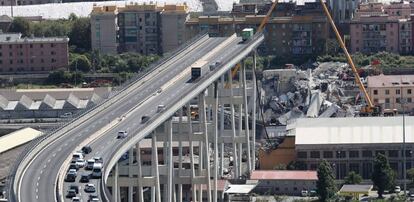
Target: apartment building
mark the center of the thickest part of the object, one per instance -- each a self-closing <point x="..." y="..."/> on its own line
<point x="143" y="28"/>
<point x="104" y="27"/>
<point x="20" y="55"/>
<point x="173" y="18"/>
<point x="26" y="2"/>
<point x="293" y="35"/>
<point x="388" y="90"/>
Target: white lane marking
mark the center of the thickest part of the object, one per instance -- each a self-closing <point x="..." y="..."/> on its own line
<point x="41" y="171"/>
<point x="37" y="184"/>
<point x="54" y="154"/>
<point x="48" y="160"/>
<point x="38" y="178"/>
<point x="60" y="149"/>
<point x="44" y="167"/>
<point x="37" y="196"/>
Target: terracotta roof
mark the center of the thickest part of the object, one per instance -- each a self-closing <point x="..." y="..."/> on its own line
<point x="283" y="175"/>
<point x="221" y="185"/>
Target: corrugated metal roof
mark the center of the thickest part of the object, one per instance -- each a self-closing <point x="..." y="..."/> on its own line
<point x="283" y="175"/>
<point x="352" y="130"/>
<point x="240" y="188"/>
<point x="18" y="138"/>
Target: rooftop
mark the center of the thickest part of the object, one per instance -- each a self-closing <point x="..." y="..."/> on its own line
<point x="352" y="130"/>
<point x="283" y="175"/>
<point x="355" y="188"/>
<point x="240" y="188"/>
<point x="16" y="38"/>
<point x="381" y="81"/>
<point x="18" y="138"/>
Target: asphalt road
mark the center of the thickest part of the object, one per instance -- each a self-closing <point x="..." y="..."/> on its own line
<point x="39" y="180"/>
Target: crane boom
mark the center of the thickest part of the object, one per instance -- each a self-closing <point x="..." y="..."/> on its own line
<point x="348" y="56"/>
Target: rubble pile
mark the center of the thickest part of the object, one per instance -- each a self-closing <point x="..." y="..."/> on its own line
<point x="328" y="90"/>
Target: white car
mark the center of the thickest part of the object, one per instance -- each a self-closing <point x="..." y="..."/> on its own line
<point x="122" y="134"/>
<point x="77" y="155"/>
<point x="89" y="164"/>
<point x="90" y="188"/>
<point x="397" y="189"/>
<point x="80" y="163"/>
<point x="76" y="199"/>
<point x="72" y="171"/>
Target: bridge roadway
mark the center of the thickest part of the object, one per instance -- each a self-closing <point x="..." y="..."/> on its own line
<point x="40" y="175"/>
<point x="39" y="180"/>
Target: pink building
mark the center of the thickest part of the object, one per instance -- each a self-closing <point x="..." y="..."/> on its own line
<point x="370" y="34"/>
<point x="22" y="55"/>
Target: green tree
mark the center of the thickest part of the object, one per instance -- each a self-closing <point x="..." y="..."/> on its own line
<point x="353" y="178"/>
<point x="410" y="175"/>
<point x="296" y="165"/>
<point x="325" y="186"/>
<point x="80" y="35"/>
<point x="280" y="166"/>
<point x="80" y="62"/>
<point x="382" y="176"/>
<point x="20" y="25"/>
<point x="72" y="17"/>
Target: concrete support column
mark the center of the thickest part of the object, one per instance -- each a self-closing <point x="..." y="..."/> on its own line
<point x="246" y="117"/>
<point x="170" y="163"/>
<point x="115" y="188"/>
<point x="253" y="157"/>
<point x="190" y="139"/>
<point x="140" y="194"/>
<point x="215" y="133"/>
<point x="180" y="156"/>
<point x="222" y="132"/>
<point x="156" y="172"/>
<point x="206" y="144"/>
<point x="240" y="129"/>
<point x="130" y="174"/>
<point x="233" y="128"/>
<point x="200" y="149"/>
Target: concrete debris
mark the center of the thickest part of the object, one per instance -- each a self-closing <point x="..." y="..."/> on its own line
<point x="325" y="91"/>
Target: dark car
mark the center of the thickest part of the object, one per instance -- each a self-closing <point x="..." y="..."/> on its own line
<point x="84" y="178"/>
<point x="73" y="166"/>
<point x="71" y="193"/>
<point x="74" y="187"/>
<point x="92" y="196"/>
<point x="86" y="149"/>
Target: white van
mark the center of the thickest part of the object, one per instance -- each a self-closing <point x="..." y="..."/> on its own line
<point x="97" y="170"/>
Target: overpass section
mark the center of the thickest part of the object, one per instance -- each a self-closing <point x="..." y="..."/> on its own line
<point x="39" y="176"/>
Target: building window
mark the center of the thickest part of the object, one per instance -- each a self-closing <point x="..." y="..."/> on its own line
<point x="379" y="152"/>
<point x="397" y="100"/>
<point x="397" y="91"/>
<point x="10" y="46"/>
<point x="10" y="54"/>
<point x="387" y="100"/>
<point x="52" y="45"/>
<point x="375" y="100"/>
<point x="315" y="154"/>
<point x="375" y="92"/>
<point x="340" y="154"/>
<point x="21" y="46"/>
<point x="393" y="153"/>
<point x="354" y="167"/>
<point x="41" y="45"/>
<point x="1" y="61"/>
<point x="387" y="92"/>
<point x="328" y="154"/>
<point x="31" y="45"/>
<point x="11" y="61"/>
<point x="353" y="154"/>
<point x="409" y="100"/>
<point x="302" y="154"/>
<point x="367" y="153"/>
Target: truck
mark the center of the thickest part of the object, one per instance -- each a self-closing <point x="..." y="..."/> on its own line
<point x="247" y="34"/>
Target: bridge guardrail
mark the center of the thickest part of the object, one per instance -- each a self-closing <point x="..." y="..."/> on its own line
<point x="10" y="181"/>
<point x="105" y="193"/>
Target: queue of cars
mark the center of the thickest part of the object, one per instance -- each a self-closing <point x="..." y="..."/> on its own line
<point x="78" y="162"/>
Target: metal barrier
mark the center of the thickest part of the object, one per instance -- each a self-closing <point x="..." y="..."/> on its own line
<point x="10" y="181"/>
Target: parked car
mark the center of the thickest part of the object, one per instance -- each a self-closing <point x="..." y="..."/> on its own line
<point x="84" y="178"/>
<point x="89" y="164"/>
<point x="74" y="187"/>
<point x="80" y="163"/>
<point x="76" y="199"/>
<point x="304" y="193"/>
<point x="87" y="149"/>
<point x="70" y="193"/>
<point x="144" y="119"/>
<point x="122" y="134"/>
<point x="90" y="188"/>
<point x="397" y="189"/>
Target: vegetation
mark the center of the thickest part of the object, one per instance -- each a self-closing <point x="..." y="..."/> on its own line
<point x="410" y="175"/>
<point x="77" y="29"/>
<point x="353" y="178"/>
<point x="383" y="176"/>
<point x="296" y="165"/>
<point x="325" y="186"/>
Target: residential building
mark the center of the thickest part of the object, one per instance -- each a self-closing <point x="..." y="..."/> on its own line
<point x="351" y="143"/>
<point x="26" y="2"/>
<point x="143" y="28"/>
<point x="173" y="18"/>
<point x="284" y="36"/>
<point x="139" y="29"/>
<point x="343" y="10"/>
<point x="284" y="182"/>
<point x="388" y="90"/>
<point x="104" y="29"/>
<point x="19" y="55"/>
<point x="374" y="33"/>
